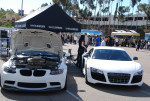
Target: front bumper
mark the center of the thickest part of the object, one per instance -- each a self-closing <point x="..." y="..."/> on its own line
<point x="18" y="82"/>
<point x="105" y="79"/>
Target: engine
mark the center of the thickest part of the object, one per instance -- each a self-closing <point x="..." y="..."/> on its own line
<point x="36" y="62"/>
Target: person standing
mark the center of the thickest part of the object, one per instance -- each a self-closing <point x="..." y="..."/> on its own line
<point x="103" y="43"/>
<point x="97" y="41"/>
<point x="90" y="41"/>
<point x="138" y="45"/>
<point x="86" y="40"/>
<point x="75" y="40"/>
<point x="62" y="39"/>
<point x="70" y="39"/>
<point x="109" y="41"/>
<point x="116" y="40"/>
<point x="81" y="50"/>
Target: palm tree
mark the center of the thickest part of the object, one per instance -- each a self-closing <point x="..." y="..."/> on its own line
<point x="118" y="15"/>
<point x="146" y="9"/>
<point x="137" y="13"/>
<point x="127" y="10"/>
<point x="115" y="14"/>
<point x="133" y="2"/>
<point x="100" y="5"/>
<point x="111" y="11"/>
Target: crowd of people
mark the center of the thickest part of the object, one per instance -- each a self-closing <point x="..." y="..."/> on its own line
<point x="89" y="40"/>
<point x="106" y="41"/>
<point x="142" y="44"/>
<point x="85" y="40"/>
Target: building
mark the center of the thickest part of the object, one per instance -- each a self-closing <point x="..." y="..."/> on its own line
<point x="130" y="20"/>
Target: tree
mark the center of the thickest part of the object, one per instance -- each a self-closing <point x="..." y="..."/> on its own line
<point x="137" y="13"/>
<point x="133" y="3"/>
<point x="127" y="10"/>
<point x="44" y="4"/>
<point x="100" y="2"/>
<point x="146" y="9"/>
<point x="115" y="13"/>
<point x="7" y="24"/>
<point x="32" y="10"/>
<point x="2" y="14"/>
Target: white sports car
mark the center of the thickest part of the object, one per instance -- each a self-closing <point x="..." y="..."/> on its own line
<point x="110" y="65"/>
<point x="37" y="62"/>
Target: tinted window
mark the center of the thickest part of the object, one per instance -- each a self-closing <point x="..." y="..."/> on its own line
<point x="106" y="54"/>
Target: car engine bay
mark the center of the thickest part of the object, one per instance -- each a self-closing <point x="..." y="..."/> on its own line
<point x="37" y="61"/>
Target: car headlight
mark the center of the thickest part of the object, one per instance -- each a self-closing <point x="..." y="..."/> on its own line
<point x="139" y="72"/>
<point x="56" y="71"/>
<point x="10" y="69"/>
<point x="96" y="70"/>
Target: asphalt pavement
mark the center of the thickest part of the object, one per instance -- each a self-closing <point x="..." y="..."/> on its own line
<point x="78" y="90"/>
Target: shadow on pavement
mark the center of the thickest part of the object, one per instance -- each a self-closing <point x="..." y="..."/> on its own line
<point x="131" y="91"/>
<point x="47" y="96"/>
<point x="28" y="96"/>
<point x="4" y="59"/>
<point x="74" y="71"/>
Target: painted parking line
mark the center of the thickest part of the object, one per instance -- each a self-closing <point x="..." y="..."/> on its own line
<point x="77" y="98"/>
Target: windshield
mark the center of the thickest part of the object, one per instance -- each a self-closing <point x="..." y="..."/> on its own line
<point x="107" y="54"/>
<point x="38" y="53"/>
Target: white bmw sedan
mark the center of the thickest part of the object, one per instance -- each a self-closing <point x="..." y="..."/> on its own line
<point x="37" y="62"/>
<point x="110" y="65"/>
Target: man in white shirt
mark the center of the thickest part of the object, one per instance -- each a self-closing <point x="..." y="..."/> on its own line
<point x="75" y="39"/>
<point x="116" y="40"/>
<point x="86" y="40"/>
<point x="103" y="43"/>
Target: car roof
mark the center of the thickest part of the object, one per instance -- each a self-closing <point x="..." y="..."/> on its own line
<point x="110" y="48"/>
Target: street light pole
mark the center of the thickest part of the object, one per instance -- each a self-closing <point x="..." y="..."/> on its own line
<point x="21" y="8"/>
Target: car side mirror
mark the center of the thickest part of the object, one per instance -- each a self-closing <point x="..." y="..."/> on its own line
<point x="86" y="55"/>
<point x="135" y="58"/>
<point x="67" y="54"/>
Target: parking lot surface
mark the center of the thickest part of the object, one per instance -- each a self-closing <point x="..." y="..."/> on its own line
<point x="78" y="90"/>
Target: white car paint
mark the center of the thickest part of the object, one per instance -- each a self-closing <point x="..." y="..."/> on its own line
<point x="111" y="66"/>
<point x="17" y="45"/>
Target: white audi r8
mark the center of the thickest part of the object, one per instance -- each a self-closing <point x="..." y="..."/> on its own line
<point x="36" y="64"/>
<point x="110" y="65"/>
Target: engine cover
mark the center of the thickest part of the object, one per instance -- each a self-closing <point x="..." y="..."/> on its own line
<point x="36" y="61"/>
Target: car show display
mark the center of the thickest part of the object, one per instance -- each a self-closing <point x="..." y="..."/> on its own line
<point x="37" y="62"/>
<point x="51" y="18"/>
<point x="111" y="65"/>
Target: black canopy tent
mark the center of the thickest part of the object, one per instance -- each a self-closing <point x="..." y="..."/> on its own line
<point x="51" y="18"/>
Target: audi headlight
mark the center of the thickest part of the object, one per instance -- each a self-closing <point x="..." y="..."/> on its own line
<point x="56" y="71"/>
<point x="10" y="69"/>
<point x="139" y="72"/>
<point x="96" y="70"/>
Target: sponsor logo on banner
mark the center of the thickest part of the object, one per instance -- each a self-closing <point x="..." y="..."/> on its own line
<point x="37" y="26"/>
<point x="73" y="29"/>
<point x="54" y="27"/>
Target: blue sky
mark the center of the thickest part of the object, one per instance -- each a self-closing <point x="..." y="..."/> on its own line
<point x="34" y="4"/>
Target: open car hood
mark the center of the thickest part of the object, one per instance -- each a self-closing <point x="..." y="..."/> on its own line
<point x="36" y="40"/>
